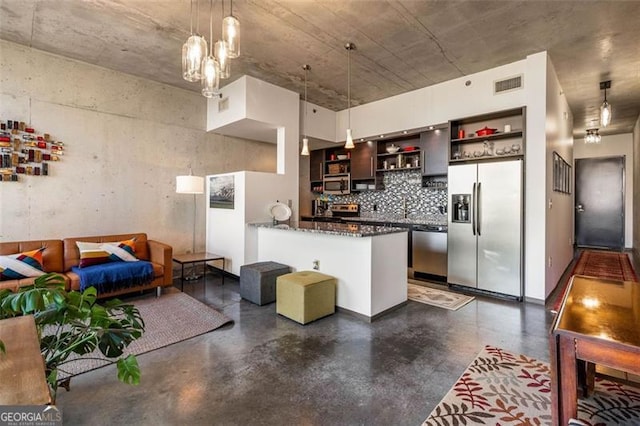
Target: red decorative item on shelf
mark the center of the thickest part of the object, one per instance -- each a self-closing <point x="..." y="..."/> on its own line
<point x="486" y="131"/>
<point x="29" y="130"/>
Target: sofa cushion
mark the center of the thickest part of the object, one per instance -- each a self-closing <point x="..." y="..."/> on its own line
<point x="21" y="265"/>
<point x="72" y="253"/>
<point x="97" y="253"/>
<point x="52" y="259"/>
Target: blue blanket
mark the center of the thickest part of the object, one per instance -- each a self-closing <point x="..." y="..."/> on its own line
<point x="112" y="276"/>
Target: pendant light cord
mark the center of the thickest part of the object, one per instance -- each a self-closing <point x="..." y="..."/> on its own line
<point x="304" y="129"/>
<point x="349" y="85"/>
<point x="211" y="27"/>
<point x="191" y="19"/>
<point x="198" y="17"/>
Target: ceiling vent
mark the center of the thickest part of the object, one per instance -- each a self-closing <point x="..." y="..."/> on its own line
<point x="508" y="84"/>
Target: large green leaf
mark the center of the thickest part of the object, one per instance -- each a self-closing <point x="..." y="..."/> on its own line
<point x="128" y="370"/>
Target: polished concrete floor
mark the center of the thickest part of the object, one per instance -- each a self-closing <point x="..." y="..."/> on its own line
<point x="267" y="370"/>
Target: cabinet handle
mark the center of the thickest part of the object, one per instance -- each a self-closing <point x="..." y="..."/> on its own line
<point x="371" y="165"/>
<point x="321" y="171"/>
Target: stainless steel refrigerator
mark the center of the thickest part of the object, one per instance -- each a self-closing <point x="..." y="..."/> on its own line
<point x="485" y="238"/>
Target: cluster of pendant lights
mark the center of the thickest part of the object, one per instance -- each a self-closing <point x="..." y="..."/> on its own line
<point x="349" y="141"/>
<point x="209" y="64"/>
<point x="593" y="135"/>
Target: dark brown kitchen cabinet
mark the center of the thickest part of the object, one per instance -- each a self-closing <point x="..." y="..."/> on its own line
<point x="316" y="165"/>
<point x="363" y="161"/>
<point x="434" y="145"/>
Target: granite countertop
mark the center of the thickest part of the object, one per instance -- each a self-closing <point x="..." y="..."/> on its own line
<point x="343" y="229"/>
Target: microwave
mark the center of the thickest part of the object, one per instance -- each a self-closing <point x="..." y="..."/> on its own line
<point x="337" y="184"/>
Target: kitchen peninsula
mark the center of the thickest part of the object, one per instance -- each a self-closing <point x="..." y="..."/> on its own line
<point x="369" y="262"/>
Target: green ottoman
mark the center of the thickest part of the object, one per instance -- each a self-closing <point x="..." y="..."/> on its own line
<point x="305" y="296"/>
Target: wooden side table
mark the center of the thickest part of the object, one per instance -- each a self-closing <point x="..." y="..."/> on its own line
<point x="22" y="366"/>
<point x="192" y="258"/>
<point x="598" y="323"/>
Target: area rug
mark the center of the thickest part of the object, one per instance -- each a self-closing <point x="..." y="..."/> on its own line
<point x="170" y="318"/>
<point x="600" y="264"/>
<point x="435" y="297"/>
<point x="501" y="388"/>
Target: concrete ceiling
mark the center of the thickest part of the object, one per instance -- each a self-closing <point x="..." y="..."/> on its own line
<point x="401" y="45"/>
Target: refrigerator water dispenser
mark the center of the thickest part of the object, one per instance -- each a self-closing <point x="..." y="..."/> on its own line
<point x="460" y="212"/>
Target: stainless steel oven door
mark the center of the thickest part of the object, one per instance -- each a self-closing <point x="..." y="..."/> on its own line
<point x="337" y="185"/>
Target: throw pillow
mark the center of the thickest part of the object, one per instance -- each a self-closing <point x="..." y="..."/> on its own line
<point x="21" y="265"/>
<point x="97" y="253"/>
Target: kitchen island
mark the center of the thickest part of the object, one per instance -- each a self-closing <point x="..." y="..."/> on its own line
<point x="369" y="262"/>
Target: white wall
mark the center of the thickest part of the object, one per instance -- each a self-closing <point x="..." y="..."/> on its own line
<point x="272" y="107"/>
<point x="610" y="146"/>
<point x="559" y="211"/>
<point x="127" y="139"/>
<point x="434" y="104"/>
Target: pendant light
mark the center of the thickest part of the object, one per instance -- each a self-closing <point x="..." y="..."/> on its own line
<point x="593" y="136"/>
<point x="210" y="69"/>
<point x="231" y="34"/>
<point x="305" y="140"/>
<point x="605" y="108"/>
<point x="349" y="143"/>
<point x="222" y="54"/>
<point x="193" y="51"/>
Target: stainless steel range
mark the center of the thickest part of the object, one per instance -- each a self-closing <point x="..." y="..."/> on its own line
<point x="345" y="210"/>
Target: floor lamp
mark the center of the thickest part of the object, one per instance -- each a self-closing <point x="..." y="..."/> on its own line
<point x="191" y="185"/>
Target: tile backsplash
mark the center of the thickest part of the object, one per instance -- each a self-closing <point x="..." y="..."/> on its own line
<point x="399" y="186"/>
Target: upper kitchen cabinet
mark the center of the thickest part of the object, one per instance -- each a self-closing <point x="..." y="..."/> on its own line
<point x="434" y="144"/>
<point x="399" y="154"/>
<point x="363" y="161"/>
<point x="488" y="136"/>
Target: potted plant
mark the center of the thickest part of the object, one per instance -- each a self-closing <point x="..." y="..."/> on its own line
<point x="75" y="323"/>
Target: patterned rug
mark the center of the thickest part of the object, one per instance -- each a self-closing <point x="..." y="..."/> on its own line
<point x="601" y="264"/>
<point x="170" y="318"/>
<point x="436" y="297"/>
<point x="501" y="388"/>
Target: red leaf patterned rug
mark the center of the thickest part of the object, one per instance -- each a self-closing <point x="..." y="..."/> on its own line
<point x="501" y="388"/>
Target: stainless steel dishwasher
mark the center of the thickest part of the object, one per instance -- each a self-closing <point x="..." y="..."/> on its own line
<point x="429" y="252"/>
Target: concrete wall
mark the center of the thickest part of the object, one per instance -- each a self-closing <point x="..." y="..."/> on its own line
<point x="126" y="138"/>
<point x="616" y="145"/>
<point x="559" y="211"/>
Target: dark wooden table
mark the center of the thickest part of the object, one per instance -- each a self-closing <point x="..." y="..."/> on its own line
<point x="191" y="258"/>
<point x="22" y="376"/>
<point x="598" y="323"/>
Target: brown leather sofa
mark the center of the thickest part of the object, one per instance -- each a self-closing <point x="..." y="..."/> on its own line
<point x="60" y="255"/>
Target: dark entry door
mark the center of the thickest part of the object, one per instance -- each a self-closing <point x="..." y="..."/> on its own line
<point x="599" y="209"/>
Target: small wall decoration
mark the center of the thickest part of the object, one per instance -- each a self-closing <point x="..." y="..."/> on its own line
<point x="24" y="152"/>
<point x="562" y="174"/>
<point x="221" y="192"/>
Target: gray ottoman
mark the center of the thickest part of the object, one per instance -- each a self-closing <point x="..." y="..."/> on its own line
<point x="258" y="281"/>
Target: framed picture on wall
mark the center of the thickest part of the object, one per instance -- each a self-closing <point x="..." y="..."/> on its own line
<point x="221" y="192"/>
<point x="562" y="174"/>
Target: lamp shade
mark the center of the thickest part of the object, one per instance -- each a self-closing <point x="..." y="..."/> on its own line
<point x="189" y="184"/>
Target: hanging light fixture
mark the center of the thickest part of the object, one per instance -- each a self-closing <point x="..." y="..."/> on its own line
<point x="193" y="51"/>
<point x="349" y="143"/>
<point x="593" y="136"/>
<point x="605" y="108"/>
<point x="305" y="140"/>
<point x="222" y="54"/>
<point x="231" y="34"/>
<point x="210" y="69"/>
